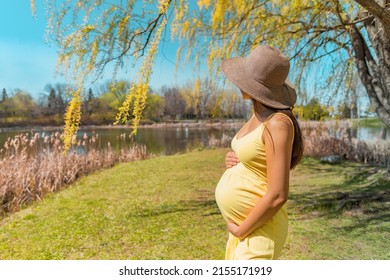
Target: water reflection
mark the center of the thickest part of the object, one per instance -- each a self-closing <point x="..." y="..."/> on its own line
<point x="172" y="140"/>
<point x="160" y="141"/>
<point x="367" y="134"/>
<point x="175" y="140"/>
<point x="370" y="133"/>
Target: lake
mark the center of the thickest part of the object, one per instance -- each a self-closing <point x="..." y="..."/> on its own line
<point x="158" y="140"/>
<point x="168" y="140"/>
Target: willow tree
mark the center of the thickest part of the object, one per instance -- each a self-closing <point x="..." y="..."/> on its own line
<point x="332" y="38"/>
<point x="92" y="34"/>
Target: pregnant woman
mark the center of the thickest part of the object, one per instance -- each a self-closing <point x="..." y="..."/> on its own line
<point x="252" y="192"/>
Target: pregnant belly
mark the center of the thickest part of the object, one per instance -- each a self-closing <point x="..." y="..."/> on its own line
<point x="237" y="194"/>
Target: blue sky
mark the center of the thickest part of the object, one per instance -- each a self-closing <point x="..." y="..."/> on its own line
<point x="28" y="63"/>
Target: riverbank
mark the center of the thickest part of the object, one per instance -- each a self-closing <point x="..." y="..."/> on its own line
<point x="352" y="126"/>
<point x="158" y="208"/>
<point x="223" y="123"/>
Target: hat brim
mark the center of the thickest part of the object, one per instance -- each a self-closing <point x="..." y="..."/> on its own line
<point x="279" y="97"/>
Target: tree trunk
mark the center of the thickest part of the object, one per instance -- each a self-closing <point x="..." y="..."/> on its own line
<point x="374" y="72"/>
<point x="377" y="8"/>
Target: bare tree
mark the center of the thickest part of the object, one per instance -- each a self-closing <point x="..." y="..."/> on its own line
<point x="174" y="103"/>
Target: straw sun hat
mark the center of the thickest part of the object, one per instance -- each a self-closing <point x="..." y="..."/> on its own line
<point x="263" y="76"/>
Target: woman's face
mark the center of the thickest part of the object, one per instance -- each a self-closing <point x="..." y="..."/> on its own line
<point x="245" y="95"/>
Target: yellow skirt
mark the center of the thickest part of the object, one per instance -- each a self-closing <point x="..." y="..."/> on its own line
<point x="265" y="243"/>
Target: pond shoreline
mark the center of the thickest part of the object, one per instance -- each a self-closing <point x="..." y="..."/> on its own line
<point x="206" y="124"/>
<point x="352" y="128"/>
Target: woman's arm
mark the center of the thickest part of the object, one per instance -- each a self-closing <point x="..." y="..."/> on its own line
<point x="278" y="136"/>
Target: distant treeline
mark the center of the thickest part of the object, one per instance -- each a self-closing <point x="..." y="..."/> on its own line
<point x="19" y="108"/>
<point x="188" y="102"/>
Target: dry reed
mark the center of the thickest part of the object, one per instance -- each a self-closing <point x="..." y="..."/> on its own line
<point x="332" y="138"/>
<point x="32" y="166"/>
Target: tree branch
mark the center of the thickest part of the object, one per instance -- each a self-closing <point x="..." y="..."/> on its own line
<point x="382" y="13"/>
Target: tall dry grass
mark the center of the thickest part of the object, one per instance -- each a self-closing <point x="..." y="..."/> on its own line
<point x="33" y="165"/>
<point x="334" y="138"/>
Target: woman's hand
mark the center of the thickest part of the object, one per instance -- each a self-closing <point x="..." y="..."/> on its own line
<point x="231" y="159"/>
<point x="234" y="229"/>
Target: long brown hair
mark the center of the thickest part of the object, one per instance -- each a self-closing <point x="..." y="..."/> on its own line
<point x="297" y="149"/>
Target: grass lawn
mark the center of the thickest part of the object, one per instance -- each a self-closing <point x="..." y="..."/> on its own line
<point x="369" y="122"/>
<point x="164" y="208"/>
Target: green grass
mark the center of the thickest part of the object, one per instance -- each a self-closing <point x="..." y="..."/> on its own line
<point x="369" y="122"/>
<point x="164" y="208"/>
<point x="338" y="212"/>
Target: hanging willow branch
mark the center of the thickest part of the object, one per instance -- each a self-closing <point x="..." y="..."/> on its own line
<point x="98" y="33"/>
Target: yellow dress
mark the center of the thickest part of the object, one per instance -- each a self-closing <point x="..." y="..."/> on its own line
<point x="237" y="192"/>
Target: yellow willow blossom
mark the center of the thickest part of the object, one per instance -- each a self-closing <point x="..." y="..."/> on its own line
<point x="88" y="28"/>
<point x="163" y="6"/>
<point x="147" y="66"/>
<point x="95" y="51"/>
<point x="214" y="53"/>
<point x="72" y="119"/>
<point x="299" y="4"/>
<point x="138" y="92"/>
<point x="63" y="62"/>
<point x="122" y="25"/>
<point x="79" y="4"/>
<point x="219" y="13"/>
<point x="205" y="3"/>
<point x="185" y="27"/>
<point x="240" y="7"/>
<point x="124" y="110"/>
<point x="139" y="105"/>
<point x="197" y="87"/>
<point x="181" y="9"/>
<point x="33" y="8"/>
<point x="178" y="56"/>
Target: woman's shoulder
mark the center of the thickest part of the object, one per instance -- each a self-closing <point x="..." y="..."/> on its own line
<point x="279" y="120"/>
<point x="280" y="126"/>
